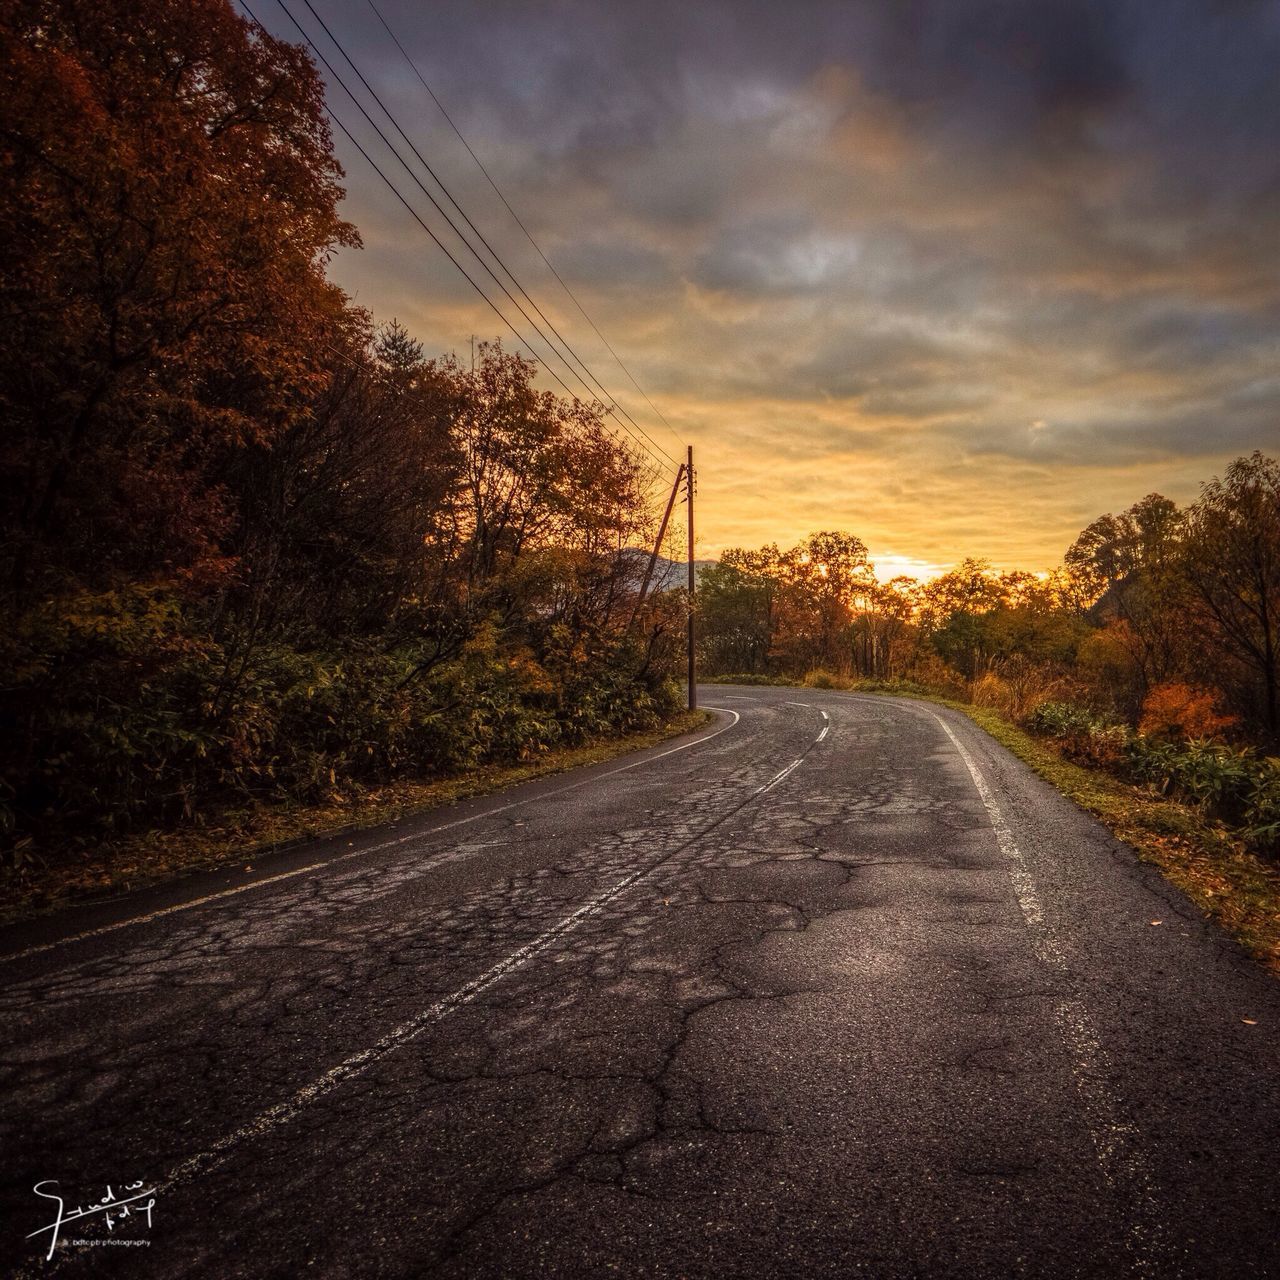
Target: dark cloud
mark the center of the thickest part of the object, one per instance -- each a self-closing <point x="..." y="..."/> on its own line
<point x="1038" y="238"/>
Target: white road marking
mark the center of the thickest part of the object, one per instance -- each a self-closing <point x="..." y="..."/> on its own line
<point x="808" y="706"/>
<point x="356" y="853"/>
<point x="358" y="1063"/>
<point x="1117" y="1142"/>
<point x="777" y="778"/>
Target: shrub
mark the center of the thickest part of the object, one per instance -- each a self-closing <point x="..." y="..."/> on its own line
<point x="1178" y="712"/>
<point x="990" y="690"/>
<point x="1083" y="736"/>
<point x="930" y="672"/>
<point x="747" y="678"/>
<point x="820" y="679"/>
<point x="1059" y="719"/>
<point x="1262" y="807"/>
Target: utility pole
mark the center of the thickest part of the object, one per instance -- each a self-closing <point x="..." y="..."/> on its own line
<point x="473" y="353"/>
<point x="689" y="482"/>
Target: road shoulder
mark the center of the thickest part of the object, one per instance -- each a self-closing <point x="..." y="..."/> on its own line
<point x="261" y="841"/>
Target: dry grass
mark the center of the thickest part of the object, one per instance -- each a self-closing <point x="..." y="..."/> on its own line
<point x="238" y="837"/>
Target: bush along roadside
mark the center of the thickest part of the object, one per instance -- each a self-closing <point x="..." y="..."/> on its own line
<point x="239" y="836"/>
<point x="1211" y="862"/>
<point x="1236" y="786"/>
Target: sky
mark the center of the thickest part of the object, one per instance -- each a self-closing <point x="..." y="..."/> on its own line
<point x="955" y="277"/>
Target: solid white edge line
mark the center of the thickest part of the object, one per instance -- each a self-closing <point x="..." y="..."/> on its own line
<point x="1117" y="1142"/>
<point x="358" y="853"/>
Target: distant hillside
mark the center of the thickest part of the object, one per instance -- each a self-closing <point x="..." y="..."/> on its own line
<point x="666" y="573"/>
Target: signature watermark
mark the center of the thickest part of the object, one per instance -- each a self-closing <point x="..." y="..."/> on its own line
<point x="130" y="1210"/>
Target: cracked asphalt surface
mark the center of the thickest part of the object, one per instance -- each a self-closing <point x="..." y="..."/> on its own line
<point x="705" y="1012"/>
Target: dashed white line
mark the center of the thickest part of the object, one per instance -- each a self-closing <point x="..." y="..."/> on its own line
<point x="356" y="853"/>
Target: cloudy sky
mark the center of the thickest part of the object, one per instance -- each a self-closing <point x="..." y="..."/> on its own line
<point x="956" y="277"/>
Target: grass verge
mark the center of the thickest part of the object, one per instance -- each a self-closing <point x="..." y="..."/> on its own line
<point x="239" y="836"/>
<point x="1212" y="866"/>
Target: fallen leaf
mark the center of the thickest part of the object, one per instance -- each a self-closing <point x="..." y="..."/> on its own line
<point x="1249" y="1022"/>
<point x="1157" y="922"/>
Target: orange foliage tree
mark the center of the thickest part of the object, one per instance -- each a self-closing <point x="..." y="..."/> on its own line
<point x="170" y="200"/>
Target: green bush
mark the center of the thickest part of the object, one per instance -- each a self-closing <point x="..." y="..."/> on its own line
<point x="153" y="723"/>
<point x="820" y="679"/>
<point x="1234" y="785"/>
<point x="749" y="678"/>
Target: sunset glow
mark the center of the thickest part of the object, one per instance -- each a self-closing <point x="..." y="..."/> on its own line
<point x="954" y="283"/>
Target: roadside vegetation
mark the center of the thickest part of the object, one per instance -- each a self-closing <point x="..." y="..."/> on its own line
<point x="256" y="548"/>
<point x="1140" y="676"/>
<point x="238" y="837"/>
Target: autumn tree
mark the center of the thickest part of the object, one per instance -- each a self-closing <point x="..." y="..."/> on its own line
<point x="823" y="578"/>
<point x="252" y="544"/>
<point x="170" y="198"/>
<point x="884" y="634"/>
<point x="737" y="611"/>
<point x="1130" y="563"/>
<point x="1232" y="562"/>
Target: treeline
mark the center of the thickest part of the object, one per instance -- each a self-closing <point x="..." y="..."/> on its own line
<point x="253" y="545"/>
<point x="1161" y="618"/>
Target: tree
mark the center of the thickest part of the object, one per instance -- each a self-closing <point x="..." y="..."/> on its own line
<point x="249" y="543"/>
<point x="883" y="628"/>
<point x="1114" y="548"/>
<point x="170" y="199"/>
<point x="1232" y="561"/>
<point x="736" y="612"/>
<point x="952" y="609"/>
<point x="823" y="579"/>
<point x="1130" y="564"/>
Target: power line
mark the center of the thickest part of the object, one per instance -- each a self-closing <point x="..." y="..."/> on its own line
<point x="590" y="380"/>
<point x="387" y="143"/>
<point x="458" y="231"/>
<point x="413" y="212"/>
<point x="413" y="66"/>
<point x="399" y="391"/>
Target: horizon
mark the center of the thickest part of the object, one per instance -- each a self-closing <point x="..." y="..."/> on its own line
<point x="956" y="283"/>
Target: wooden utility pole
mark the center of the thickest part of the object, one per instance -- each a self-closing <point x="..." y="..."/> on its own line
<point x="693" y="680"/>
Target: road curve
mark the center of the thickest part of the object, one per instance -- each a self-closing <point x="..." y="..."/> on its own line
<point x="838" y="988"/>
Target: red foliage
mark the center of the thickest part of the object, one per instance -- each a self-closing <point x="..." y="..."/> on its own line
<point x="1177" y="712"/>
<point x="169" y="200"/>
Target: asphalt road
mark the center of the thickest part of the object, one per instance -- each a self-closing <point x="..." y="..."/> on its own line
<point x="838" y="989"/>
